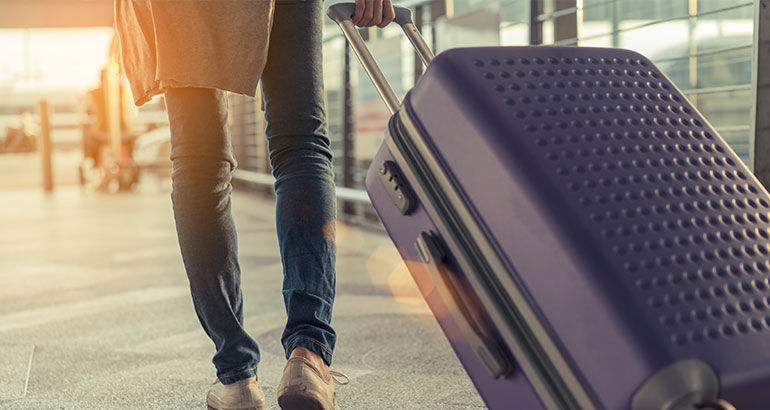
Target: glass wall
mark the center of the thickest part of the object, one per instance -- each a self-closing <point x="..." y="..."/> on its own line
<point x="704" y="46"/>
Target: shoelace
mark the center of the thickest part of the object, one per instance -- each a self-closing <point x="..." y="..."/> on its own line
<point x="335" y="374"/>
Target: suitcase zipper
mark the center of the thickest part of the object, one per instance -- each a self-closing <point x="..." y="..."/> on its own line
<point x="536" y="361"/>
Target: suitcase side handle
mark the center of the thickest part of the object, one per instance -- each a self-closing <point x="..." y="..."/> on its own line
<point x="341" y="13"/>
<point x="485" y="348"/>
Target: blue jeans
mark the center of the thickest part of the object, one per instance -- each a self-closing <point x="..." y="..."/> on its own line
<point x="300" y="156"/>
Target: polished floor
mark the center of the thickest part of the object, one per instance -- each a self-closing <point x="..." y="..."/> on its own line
<point x="95" y="312"/>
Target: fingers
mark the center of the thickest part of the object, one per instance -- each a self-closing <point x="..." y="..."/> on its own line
<point x="366" y="21"/>
<point x="373" y="13"/>
<point x="388" y="14"/>
<point x="360" y="6"/>
<point x="377" y="16"/>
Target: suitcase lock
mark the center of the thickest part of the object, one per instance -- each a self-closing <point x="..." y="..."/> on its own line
<point x="395" y="185"/>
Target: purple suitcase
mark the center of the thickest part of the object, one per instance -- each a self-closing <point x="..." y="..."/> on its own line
<point x="584" y="237"/>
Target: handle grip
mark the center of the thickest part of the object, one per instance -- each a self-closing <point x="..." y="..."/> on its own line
<point x="345" y="11"/>
<point x="342" y="13"/>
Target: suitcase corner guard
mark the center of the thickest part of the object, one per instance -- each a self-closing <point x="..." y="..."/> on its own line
<point x="684" y="385"/>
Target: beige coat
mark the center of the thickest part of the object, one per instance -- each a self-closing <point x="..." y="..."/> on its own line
<point x="193" y="43"/>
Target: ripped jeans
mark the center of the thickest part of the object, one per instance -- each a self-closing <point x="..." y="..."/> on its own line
<point x="300" y="156"/>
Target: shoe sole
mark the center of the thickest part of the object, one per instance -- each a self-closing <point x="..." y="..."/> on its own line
<point x="298" y="402"/>
<point x="208" y="407"/>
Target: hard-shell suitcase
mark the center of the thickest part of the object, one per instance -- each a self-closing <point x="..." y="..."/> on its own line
<point x="584" y="237"/>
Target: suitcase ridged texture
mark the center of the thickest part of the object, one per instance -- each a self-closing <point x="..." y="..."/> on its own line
<point x="674" y="209"/>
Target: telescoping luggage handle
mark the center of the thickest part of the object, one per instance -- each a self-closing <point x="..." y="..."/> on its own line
<point x="342" y="13"/>
<point x="484" y="346"/>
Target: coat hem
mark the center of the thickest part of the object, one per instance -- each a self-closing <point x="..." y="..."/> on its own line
<point x="160" y="87"/>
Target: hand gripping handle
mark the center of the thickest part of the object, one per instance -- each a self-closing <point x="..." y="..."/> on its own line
<point x="344" y="11"/>
<point x="342" y="14"/>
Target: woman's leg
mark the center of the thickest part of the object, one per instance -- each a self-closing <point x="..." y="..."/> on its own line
<point x="202" y="168"/>
<point x="301" y="161"/>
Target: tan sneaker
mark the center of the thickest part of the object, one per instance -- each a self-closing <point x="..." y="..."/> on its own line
<point x="242" y="395"/>
<point x="303" y="387"/>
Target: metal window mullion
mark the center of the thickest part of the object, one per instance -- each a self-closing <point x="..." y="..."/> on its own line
<point x="714" y="90"/>
<point x="535" y="26"/>
<point x="556" y="14"/>
<point x="733" y="128"/>
<point x="438" y="9"/>
<point x="566" y="26"/>
<point x="615" y="25"/>
<point x="348" y="138"/>
<point x="570" y="10"/>
<point x="692" y="6"/>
